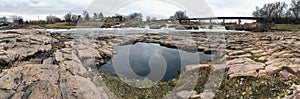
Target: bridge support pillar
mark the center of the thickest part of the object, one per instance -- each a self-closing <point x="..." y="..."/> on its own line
<point x="239" y="21"/>
<point x="223" y="22"/>
<point x="210" y="21"/>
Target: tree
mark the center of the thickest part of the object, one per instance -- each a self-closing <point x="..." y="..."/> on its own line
<point x="281" y="9"/>
<point x="180" y="15"/>
<point x="3" y="20"/>
<point x="153" y="18"/>
<point x="74" y="18"/>
<point x="17" y="20"/>
<point x="27" y="22"/>
<point x="101" y="16"/>
<point x="21" y="21"/>
<point x="295" y="8"/>
<point x="288" y="14"/>
<point x="120" y="18"/>
<point x="148" y="18"/>
<point x="52" y="19"/>
<point x="95" y="17"/>
<point x="68" y="17"/>
<point x="266" y="11"/>
<point x="86" y="15"/>
<point x="79" y="17"/>
<point x="135" y="19"/>
<point x="98" y="17"/>
<point x="135" y="16"/>
<point x="271" y="10"/>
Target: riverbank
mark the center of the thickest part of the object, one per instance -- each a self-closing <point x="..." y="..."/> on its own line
<point x="39" y="64"/>
<point x="254" y="27"/>
<point x="286" y="27"/>
<point x="58" y="25"/>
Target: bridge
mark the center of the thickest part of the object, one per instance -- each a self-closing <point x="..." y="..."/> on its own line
<point x="187" y="20"/>
<point x="248" y="27"/>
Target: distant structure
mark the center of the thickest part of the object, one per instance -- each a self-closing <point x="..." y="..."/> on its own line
<point x="257" y="23"/>
<point x="189" y="20"/>
<point x="257" y="26"/>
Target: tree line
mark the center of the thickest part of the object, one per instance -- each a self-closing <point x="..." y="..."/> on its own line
<point x="16" y="20"/>
<point x="279" y="12"/>
<point x="74" y="18"/>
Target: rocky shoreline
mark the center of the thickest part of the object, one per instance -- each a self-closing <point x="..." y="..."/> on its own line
<point x="39" y="64"/>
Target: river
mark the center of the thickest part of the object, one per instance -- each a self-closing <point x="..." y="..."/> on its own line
<point x="128" y="30"/>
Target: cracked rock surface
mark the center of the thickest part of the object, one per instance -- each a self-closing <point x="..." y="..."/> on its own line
<point x="32" y="66"/>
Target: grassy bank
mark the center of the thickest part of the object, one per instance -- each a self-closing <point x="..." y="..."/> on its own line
<point x="286" y="27"/>
<point x="65" y="25"/>
<point x="159" y="90"/>
<point x="59" y="25"/>
<point x="272" y="86"/>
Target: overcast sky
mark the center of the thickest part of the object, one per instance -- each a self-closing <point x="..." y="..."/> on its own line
<point x="31" y="9"/>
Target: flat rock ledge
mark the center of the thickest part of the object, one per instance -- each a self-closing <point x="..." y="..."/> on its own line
<point x="58" y="76"/>
<point x="33" y="68"/>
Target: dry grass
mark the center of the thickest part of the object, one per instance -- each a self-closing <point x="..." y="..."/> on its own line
<point x="286" y="27"/>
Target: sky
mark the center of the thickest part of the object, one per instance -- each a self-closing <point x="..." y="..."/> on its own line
<point x="39" y="9"/>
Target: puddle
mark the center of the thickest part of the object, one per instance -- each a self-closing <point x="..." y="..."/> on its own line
<point x="152" y="61"/>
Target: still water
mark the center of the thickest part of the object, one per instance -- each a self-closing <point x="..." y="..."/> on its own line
<point x="152" y="61"/>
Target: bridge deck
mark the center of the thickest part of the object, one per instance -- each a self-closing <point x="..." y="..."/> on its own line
<point x="211" y="18"/>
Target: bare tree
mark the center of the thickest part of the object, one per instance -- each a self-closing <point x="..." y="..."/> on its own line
<point x="98" y="17"/>
<point x="86" y="15"/>
<point x="281" y="9"/>
<point x="79" y="18"/>
<point x="271" y="10"/>
<point x="153" y="18"/>
<point x="295" y="8"/>
<point x="17" y="20"/>
<point x="3" y="19"/>
<point x="288" y="14"/>
<point x="266" y="11"/>
<point x="101" y="16"/>
<point x="180" y="15"/>
<point x="135" y="19"/>
<point x="52" y="19"/>
<point x="74" y="18"/>
<point x="95" y="17"/>
<point x="119" y="17"/>
<point x="148" y="18"/>
<point x="68" y="17"/>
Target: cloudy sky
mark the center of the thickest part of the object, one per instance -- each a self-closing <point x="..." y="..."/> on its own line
<point x="31" y="9"/>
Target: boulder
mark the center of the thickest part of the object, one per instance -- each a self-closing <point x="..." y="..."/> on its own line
<point x="285" y="73"/>
<point x="186" y="94"/>
<point x="39" y="90"/>
<point x="238" y="52"/>
<point x="199" y="66"/>
<point x="276" y="65"/>
<point x="243" y="67"/>
<point x="23" y="46"/>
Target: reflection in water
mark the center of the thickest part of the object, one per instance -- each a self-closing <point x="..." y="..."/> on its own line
<point x="148" y="60"/>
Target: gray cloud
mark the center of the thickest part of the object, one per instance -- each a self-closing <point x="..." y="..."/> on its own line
<point x="197" y="8"/>
<point x="29" y="8"/>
